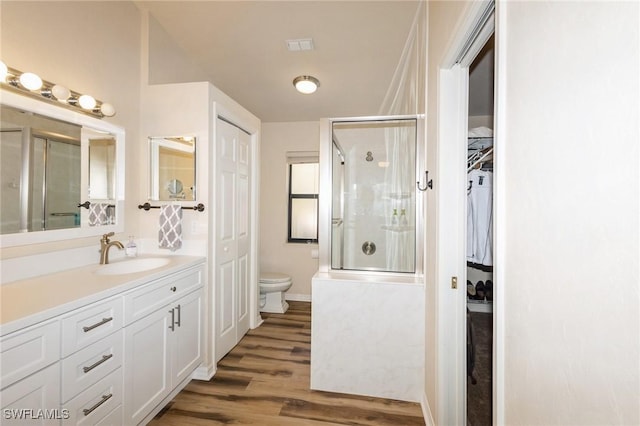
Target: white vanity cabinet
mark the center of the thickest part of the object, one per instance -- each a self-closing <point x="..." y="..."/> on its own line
<point x="162" y="341"/>
<point x="113" y="357"/>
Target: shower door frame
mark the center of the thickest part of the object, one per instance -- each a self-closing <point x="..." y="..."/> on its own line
<point x="326" y="187"/>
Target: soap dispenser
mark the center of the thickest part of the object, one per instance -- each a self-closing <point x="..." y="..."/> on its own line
<point x="394" y="217"/>
<point x="131" y="249"/>
<point x="403" y="218"/>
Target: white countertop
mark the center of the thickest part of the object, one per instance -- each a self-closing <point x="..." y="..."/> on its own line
<point x="29" y="301"/>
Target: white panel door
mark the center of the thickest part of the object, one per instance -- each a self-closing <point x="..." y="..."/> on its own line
<point x="243" y="230"/>
<point x="233" y="235"/>
<point x="226" y="244"/>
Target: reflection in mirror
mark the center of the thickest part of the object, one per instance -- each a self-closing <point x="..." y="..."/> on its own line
<point x="173" y="168"/>
<point x="102" y="167"/>
<point x="46" y="175"/>
<point x="41" y="167"/>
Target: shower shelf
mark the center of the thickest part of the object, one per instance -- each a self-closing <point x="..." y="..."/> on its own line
<point x="398" y="228"/>
<point x="397" y="195"/>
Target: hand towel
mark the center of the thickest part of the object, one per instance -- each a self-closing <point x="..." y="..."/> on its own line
<point x="170" y="221"/>
<point x="98" y="214"/>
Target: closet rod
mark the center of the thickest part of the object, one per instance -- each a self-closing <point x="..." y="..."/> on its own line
<point x="475" y="162"/>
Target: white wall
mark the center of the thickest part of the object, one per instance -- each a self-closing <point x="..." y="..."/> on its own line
<point x="96" y="51"/>
<point x="568" y="185"/>
<point x="276" y="255"/>
<point x="442" y="21"/>
<point x="572" y="186"/>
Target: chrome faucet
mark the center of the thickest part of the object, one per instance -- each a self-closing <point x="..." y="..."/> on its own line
<point x="105" y="245"/>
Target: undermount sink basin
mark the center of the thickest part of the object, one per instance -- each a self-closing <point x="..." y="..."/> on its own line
<point x="133" y="265"/>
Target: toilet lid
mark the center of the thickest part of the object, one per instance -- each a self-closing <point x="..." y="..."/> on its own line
<point x="274" y="277"/>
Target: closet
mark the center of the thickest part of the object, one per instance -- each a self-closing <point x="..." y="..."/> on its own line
<point x="479" y="251"/>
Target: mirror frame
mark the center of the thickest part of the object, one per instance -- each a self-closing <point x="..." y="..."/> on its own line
<point x="59" y="113"/>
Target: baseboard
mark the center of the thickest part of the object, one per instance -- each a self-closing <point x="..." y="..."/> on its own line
<point x="298" y="297"/>
<point x="426" y="411"/>
<point x="204" y="373"/>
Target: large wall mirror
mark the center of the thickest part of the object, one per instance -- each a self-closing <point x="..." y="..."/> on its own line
<point x="173" y="168"/>
<point x="61" y="173"/>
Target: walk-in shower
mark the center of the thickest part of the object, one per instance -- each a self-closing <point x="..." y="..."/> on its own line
<point x="373" y="194"/>
<point x="368" y="294"/>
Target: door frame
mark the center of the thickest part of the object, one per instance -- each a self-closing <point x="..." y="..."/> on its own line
<point x="479" y="21"/>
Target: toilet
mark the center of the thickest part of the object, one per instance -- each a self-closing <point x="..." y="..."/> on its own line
<point x="273" y="285"/>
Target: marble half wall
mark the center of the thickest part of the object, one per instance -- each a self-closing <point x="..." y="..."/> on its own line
<point x="367" y="335"/>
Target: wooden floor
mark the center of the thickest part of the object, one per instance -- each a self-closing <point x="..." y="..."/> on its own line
<point x="264" y="381"/>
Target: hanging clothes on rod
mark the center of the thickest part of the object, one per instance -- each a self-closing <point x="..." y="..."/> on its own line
<point x="478" y="157"/>
<point x="479" y="204"/>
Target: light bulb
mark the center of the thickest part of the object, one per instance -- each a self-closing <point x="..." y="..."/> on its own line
<point x="3" y="71"/>
<point x="61" y="93"/>
<point x="107" y="109"/>
<point x="87" y="102"/>
<point x="30" y="81"/>
<point x="306" y="84"/>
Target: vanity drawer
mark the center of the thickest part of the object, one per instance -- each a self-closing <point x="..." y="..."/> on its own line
<point x="27" y="351"/>
<point x="96" y="402"/>
<point x="145" y="300"/>
<point x="40" y="391"/>
<point x="91" y="324"/>
<point x="91" y="364"/>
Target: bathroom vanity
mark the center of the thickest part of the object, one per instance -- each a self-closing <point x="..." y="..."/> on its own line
<point x="101" y="344"/>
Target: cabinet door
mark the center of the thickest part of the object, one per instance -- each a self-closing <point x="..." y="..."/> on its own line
<point x="146" y="366"/>
<point x="34" y="400"/>
<point x="186" y="343"/>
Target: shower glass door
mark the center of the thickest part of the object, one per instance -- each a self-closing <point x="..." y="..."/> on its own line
<point x="374" y="197"/>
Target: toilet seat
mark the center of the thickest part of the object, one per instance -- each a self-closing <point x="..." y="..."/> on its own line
<point x="274" y="278"/>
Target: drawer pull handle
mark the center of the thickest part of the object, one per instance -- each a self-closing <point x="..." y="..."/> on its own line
<point x="97" y="363"/>
<point x="98" y="324"/>
<point x="173" y="320"/>
<point x="173" y="289"/>
<point x="104" y="399"/>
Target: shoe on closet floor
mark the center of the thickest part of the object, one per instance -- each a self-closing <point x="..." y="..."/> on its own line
<point x="488" y="290"/>
<point x="480" y="290"/>
<point x="471" y="290"/>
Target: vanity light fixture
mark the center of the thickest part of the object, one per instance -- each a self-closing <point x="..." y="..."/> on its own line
<point x="306" y="84"/>
<point x="31" y="84"/>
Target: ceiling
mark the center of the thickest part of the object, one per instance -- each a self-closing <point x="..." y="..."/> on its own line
<point x="240" y="46"/>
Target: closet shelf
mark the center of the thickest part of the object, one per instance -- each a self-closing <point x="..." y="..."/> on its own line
<point x="485" y="306"/>
<point x="397" y="195"/>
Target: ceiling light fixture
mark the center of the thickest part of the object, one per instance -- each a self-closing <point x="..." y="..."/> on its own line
<point x="32" y="85"/>
<point x="306" y="84"/>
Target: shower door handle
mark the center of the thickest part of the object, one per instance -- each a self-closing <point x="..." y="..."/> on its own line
<point x="429" y="182"/>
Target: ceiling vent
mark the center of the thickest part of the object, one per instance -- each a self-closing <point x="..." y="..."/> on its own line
<point x="299" y="44"/>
